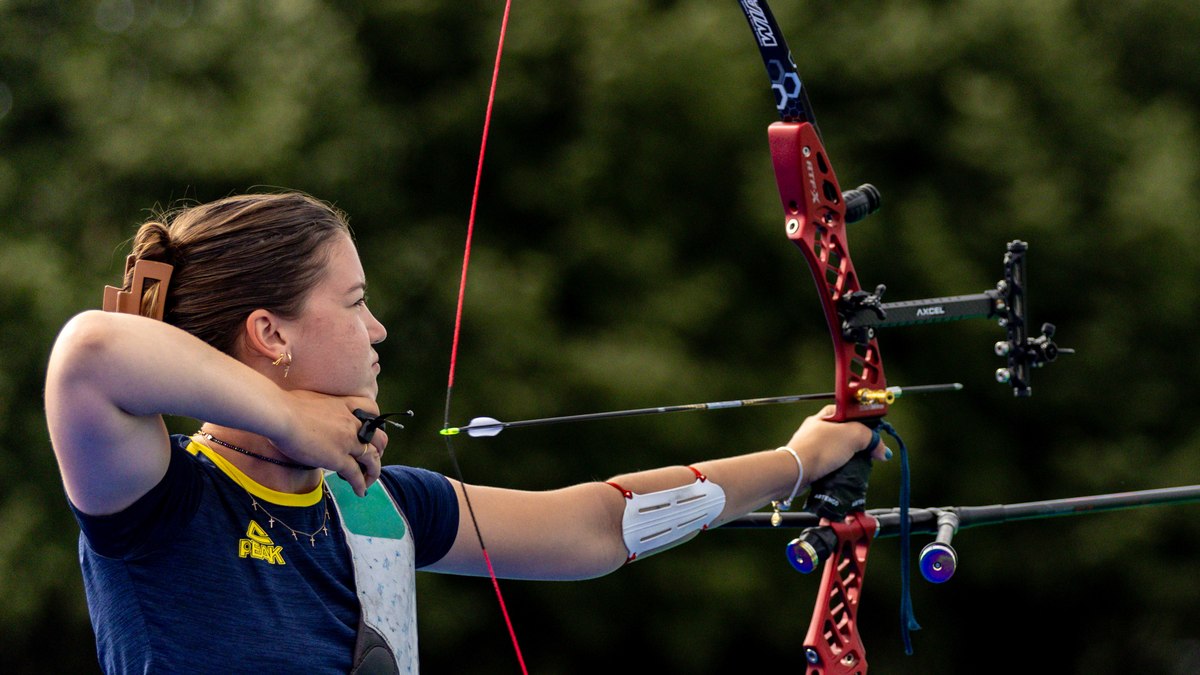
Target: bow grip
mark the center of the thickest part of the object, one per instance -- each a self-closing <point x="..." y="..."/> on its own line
<point x="845" y="490"/>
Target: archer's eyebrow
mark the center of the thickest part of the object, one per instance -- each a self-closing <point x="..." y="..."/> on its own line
<point x="360" y="286"/>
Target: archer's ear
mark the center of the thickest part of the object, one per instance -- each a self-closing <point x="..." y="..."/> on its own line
<point x="264" y="335"/>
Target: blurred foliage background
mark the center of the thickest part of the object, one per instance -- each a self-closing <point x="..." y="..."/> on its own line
<point x="629" y="252"/>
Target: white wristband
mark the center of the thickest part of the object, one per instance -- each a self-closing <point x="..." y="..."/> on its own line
<point x="787" y="503"/>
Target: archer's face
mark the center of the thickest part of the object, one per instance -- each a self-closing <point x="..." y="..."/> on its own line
<point x="333" y="336"/>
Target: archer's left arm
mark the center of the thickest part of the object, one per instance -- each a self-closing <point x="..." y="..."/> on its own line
<point x="578" y="532"/>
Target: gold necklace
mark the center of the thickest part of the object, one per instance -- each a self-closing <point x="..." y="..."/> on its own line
<point x="312" y="536"/>
<point x="271" y="518"/>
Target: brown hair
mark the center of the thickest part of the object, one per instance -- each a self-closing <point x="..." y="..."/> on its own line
<point x="236" y="255"/>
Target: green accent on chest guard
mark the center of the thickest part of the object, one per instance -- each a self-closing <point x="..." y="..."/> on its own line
<point x="370" y="516"/>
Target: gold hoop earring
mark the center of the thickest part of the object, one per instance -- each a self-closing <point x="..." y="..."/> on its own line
<point x="286" y="366"/>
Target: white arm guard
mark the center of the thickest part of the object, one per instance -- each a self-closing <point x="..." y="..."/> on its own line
<point x="658" y="520"/>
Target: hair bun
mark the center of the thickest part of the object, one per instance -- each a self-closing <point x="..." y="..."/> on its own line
<point x="148" y="271"/>
<point x="153" y="242"/>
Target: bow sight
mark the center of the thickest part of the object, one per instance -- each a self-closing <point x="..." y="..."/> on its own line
<point x="861" y="313"/>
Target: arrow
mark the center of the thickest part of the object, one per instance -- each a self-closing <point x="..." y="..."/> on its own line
<point x="489" y="426"/>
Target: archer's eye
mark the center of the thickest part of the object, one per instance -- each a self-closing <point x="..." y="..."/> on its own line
<point x="362" y="302"/>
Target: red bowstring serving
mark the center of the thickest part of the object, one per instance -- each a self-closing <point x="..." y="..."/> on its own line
<point x="462" y="291"/>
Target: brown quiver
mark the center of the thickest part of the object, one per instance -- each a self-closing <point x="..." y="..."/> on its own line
<point x="130" y="302"/>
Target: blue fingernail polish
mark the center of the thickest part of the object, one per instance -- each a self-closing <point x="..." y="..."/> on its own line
<point x="887" y="453"/>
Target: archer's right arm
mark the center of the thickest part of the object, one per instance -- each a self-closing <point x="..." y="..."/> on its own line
<point x="110" y="379"/>
<point x="112" y="376"/>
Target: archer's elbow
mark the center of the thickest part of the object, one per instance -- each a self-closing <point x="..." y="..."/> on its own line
<point x="82" y="348"/>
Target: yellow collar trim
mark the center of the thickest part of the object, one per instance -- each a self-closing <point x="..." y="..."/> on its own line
<point x="254" y="487"/>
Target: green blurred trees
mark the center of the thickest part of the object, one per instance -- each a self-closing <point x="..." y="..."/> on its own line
<point x="629" y="253"/>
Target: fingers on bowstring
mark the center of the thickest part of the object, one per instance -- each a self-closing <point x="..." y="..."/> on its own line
<point x="380" y="441"/>
<point x="371" y="465"/>
<point x="370" y="458"/>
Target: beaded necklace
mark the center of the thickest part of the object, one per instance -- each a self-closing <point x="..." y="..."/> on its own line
<point x="255" y="455"/>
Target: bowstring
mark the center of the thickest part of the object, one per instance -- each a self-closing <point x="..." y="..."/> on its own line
<point x="462" y="290"/>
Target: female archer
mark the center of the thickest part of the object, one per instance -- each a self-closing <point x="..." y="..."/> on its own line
<point x="238" y="547"/>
